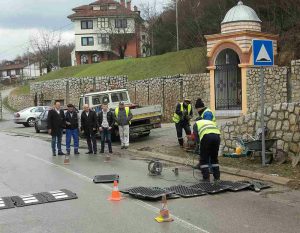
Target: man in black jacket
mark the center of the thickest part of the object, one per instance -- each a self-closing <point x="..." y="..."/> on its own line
<point x="106" y="121"/>
<point x="89" y="126"/>
<point x="56" y="121"/>
<point x="71" y="118"/>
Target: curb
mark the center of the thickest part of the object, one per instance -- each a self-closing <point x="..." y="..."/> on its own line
<point x="229" y="170"/>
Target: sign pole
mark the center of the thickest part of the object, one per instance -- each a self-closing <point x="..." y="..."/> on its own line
<point x="263" y="143"/>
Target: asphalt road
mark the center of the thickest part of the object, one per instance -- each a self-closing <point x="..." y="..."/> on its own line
<point x="27" y="167"/>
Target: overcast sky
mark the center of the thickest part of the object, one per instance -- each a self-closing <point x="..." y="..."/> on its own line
<point x="19" y="19"/>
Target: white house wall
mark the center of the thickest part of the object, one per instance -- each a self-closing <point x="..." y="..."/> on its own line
<point x="79" y="33"/>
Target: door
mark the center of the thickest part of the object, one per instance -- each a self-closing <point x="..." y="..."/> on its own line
<point x="228" y="85"/>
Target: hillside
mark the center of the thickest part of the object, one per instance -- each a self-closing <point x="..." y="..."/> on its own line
<point x="185" y="61"/>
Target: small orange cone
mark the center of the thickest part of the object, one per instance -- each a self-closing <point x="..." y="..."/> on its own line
<point x="164" y="214"/>
<point x="116" y="194"/>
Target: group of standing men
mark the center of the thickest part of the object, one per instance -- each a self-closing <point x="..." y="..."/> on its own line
<point x="91" y="123"/>
<point x="206" y="133"/>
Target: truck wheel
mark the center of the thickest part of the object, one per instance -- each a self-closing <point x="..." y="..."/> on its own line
<point x="26" y="124"/>
<point x="146" y="134"/>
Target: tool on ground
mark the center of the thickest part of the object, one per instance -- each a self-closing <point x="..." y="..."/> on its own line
<point x="155" y="168"/>
<point x="116" y="194"/>
<point x="164" y="214"/>
<point x="67" y="160"/>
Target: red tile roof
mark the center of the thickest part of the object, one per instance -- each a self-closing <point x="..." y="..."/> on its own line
<point x="87" y="10"/>
<point x="12" y="67"/>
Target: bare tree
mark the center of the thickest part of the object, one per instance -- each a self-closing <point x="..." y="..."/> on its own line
<point x="42" y="44"/>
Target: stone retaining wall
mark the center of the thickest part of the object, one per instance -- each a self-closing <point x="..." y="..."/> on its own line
<point x="275" y="82"/>
<point x="168" y="91"/>
<point x="69" y="89"/>
<point x="282" y="120"/>
<point x="20" y="102"/>
<point x="295" y="80"/>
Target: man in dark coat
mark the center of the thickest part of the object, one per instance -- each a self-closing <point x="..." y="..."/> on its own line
<point x="89" y="126"/>
<point x="56" y="122"/>
<point x="106" y="121"/>
<point x="72" y="129"/>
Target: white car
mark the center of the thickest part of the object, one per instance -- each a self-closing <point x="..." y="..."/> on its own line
<point x="27" y="116"/>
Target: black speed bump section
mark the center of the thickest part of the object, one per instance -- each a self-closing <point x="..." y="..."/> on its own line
<point x="59" y="195"/>
<point x="6" y="203"/>
<point x="26" y="200"/>
<point x="186" y="192"/>
<point x="210" y="188"/>
<point x="106" y="178"/>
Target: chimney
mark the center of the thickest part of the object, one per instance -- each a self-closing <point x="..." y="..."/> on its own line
<point x="122" y="3"/>
<point x="136" y="10"/>
<point x="129" y="4"/>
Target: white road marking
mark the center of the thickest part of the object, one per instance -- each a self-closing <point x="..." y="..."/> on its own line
<point x="145" y="205"/>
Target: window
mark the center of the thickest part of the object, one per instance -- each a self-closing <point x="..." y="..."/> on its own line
<point x="39" y="109"/>
<point x="84" y="59"/>
<point x="18" y="72"/>
<point x="104" y="7"/>
<point x="103" y="39"/>
<point x="103" y="23"/>
<point x="87" y="41"/>
<point x="117" y="97"/>
<point x="100" y="99"/>
<point x="87" y="24"/>
<point x="112" y="6"/>
<point x="121" y="23"/>
<point x="95" y="58"/>
<point x="8" y="73"/>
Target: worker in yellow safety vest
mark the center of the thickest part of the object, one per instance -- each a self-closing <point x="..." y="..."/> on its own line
<point x="207" y="135"/>
<point x="123" y="118"/>
<point x="182" y="116"/>
<point x="204" y="114"/>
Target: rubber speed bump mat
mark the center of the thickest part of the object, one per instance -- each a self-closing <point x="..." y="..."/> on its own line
<point x="235" y="186"/>
<point x="147" y="193"/>
<point x="184" y="191"/>
<point x="59" y="195"/>
<point x="106" y="178"/>
<point x="36" y="198"/>
<point x="32" y="199"/>
<point x="6" y="203"/>
<point x="211" y="188"/>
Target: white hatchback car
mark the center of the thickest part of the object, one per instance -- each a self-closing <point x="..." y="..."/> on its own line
<point x="27" y="116"/>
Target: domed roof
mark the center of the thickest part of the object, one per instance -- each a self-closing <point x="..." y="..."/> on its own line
<point x="239" y="13"/>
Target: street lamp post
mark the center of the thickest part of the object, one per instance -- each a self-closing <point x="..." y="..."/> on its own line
<point x="177" y="28"/>
<point x="58" y="61"/>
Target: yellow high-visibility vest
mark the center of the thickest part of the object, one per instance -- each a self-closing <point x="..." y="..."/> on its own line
<point x="117" y="110"/>
<point x="176" y="117"/>
<point x="206" y="127"/>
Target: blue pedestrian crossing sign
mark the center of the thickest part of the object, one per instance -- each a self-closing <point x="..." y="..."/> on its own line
<point x="263" y="53"/>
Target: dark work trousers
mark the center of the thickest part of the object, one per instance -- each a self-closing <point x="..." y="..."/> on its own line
<point x="106" y="137"/>
<point x="209" y="150"/>
<point x="182" y="126"/>
<point x="91" y="140"/>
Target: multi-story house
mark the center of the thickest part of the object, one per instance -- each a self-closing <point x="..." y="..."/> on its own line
<point x="21" y="69"/>
<point x="107" y="30"/>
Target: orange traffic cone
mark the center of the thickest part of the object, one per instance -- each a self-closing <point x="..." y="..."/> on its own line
<point x="164" y="214"/>
<point x="116" y="194"/>
<point x="67" y="160"/>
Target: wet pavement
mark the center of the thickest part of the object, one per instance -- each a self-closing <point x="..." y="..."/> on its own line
<point x="27" y="167"/>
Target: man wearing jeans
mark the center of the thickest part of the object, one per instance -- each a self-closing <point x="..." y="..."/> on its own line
<point x="56" y="121"/>
<point x="72" y="129"/>
<point x="123" y="118"/>
<point x="106" y="122"/>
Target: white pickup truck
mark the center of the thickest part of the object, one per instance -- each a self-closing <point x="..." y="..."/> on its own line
<point x="144" y="118"/>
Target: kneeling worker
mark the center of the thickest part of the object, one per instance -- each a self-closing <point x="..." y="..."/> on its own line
<point x="207" y="135"/>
